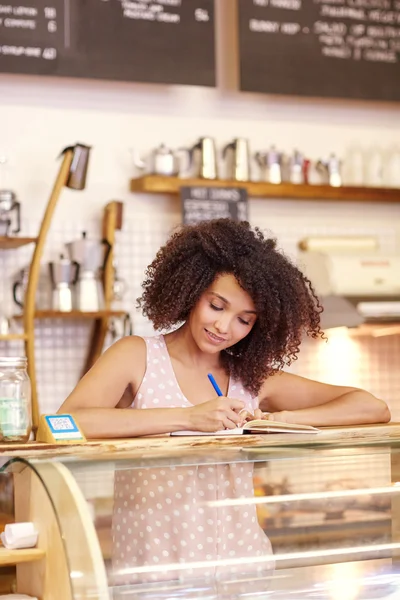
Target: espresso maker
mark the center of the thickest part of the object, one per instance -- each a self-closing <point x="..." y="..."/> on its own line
<point x="10" y="209"/>
<point x="91" y="256"/>
<point x="63" y="274"/>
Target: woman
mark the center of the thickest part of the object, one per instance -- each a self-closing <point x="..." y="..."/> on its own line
<point x="238" y="309"/>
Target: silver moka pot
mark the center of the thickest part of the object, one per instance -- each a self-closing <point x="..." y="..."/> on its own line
<point x="203" y="159"/>
<point x="237" y="156"/>
<point x="63" y="275"/>
<point x="91" y="255"/>
<point x="10" y="210"/>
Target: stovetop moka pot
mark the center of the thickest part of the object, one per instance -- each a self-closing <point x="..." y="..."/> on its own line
<point x="91" y="255"/>
<point x="10" y="213"/>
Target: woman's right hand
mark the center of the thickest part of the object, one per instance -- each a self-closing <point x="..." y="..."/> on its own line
<point x="215" y="415"/>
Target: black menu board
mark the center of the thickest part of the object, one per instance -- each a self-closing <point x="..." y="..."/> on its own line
<point x="201" y="203"/>
<point x="157" y="41"/>
<point x="328" y="48"/>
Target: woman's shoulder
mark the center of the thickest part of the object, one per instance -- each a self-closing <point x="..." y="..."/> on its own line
<point x="129" y="350"/>
<point x="129" y="354"/>
<point x="137" y="347"/>
<point x="130" y="342"/>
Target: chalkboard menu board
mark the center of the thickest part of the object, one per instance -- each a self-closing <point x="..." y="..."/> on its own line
<point x="331" y="48"/>
<point x="205" y="203"/>
<point x="157" y="41"/>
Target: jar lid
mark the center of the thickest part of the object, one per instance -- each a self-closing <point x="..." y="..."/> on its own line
<point x="13" y="361"/>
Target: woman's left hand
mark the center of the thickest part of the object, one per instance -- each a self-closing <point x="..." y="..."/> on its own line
<point x="284" y="416"/>
<point x="258" y="414"/>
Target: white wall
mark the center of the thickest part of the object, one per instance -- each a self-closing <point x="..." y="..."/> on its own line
<point x="40" y="116"/>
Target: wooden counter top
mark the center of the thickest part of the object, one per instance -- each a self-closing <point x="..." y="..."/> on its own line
<point x="156" y="446"/>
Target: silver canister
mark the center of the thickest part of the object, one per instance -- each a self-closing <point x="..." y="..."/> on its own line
<point x="15" y="400"/>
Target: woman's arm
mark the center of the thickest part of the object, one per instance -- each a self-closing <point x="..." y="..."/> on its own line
<point x="96" y="396"/>
<point x="101" y="423"/>
<point x="295" y="399"/>
<point x="96" y="399"/>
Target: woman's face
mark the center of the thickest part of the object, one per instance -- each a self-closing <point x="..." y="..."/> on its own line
<point x="223" y="316"/>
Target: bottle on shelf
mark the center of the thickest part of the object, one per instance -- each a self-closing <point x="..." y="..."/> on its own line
<point x="15" y="400"/>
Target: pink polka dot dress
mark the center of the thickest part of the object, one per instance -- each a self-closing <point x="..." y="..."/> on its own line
<point x="173" y="523"/>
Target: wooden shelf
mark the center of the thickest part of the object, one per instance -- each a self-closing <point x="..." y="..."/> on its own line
<point x="75" y="314"/>
<point x="8" y="243"/>
<point x="375" y="329"/>
<point x="157" y="184"/>
<point x="13" y="336"/>
<point x="14" y="557"/>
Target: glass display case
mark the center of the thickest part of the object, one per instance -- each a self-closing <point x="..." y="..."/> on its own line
<point x="280" y="523"/>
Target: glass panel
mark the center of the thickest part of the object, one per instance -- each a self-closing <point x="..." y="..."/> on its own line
<point x="33" y="500"/>
<point x="7" y="574"/>
<point x="281" y="524"/>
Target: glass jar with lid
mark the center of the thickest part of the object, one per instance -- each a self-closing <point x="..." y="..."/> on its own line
<point x="15" y="400"/>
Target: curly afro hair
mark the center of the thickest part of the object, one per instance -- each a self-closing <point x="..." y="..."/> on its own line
<point x="287" y="306"/>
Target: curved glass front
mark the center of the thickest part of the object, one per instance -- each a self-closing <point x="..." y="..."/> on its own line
<point x="33" y="499"/>
<point x="268" y="523"/>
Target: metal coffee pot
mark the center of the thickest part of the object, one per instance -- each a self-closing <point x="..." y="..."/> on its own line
<point x="296" y="168"/>
<point x="120" y="327"/>
<point x="63" y="275"/>
<point x="203" y="159"/>
<point x="79" y="165"/>
<point x="20" y="285"/>
<point x="91" y="255"/>
<point x="5" y="325"/>
<point x="237" y="156"/>
<point x="10" y="210"/>
<point x="161" y="161"/>
<point x="270" y="163"/>
<point x="89" y="293"/>
<point x="331" y="170"/>
<point x="119" y="287"/>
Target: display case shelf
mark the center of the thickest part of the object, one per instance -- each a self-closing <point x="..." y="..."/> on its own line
<point x="157" y="184"/>
<point x="15" y="557"/>
<point x="9" y="243"/>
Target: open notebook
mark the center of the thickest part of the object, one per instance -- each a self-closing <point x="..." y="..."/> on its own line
<point x="257" y="426"/>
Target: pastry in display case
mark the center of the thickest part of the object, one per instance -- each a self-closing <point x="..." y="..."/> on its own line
<point x="211" y="523"/>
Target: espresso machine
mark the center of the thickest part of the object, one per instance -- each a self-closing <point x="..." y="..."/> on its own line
<point x="63" y="275"/>
<point x="91" y="256"/>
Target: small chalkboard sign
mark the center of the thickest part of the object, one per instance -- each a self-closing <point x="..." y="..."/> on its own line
<point x="202" y="203"/>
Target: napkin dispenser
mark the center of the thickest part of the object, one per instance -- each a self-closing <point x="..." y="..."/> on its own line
<point x="19" y="535"/>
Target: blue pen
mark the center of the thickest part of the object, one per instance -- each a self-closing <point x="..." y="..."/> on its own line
<point x="214" y="384"/>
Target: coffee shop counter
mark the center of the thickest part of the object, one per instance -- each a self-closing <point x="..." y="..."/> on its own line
<point x="161" y="444"/>
<point x="264" y="516"/>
